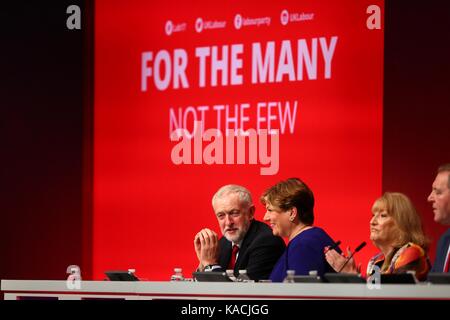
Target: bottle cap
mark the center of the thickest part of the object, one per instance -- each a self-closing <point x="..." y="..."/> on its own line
<point x="242" y="271"/>
<point x="313" y="273"/>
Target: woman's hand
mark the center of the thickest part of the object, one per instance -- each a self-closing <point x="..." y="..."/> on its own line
<point x="336" y="261"/>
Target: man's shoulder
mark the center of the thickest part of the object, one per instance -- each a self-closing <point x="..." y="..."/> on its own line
<point x="445" y="235"/>
<point x="260" y="228"/>
<point x="262" y="232"/>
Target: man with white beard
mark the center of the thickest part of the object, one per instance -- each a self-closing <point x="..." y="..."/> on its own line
<point x="246" y="243"/>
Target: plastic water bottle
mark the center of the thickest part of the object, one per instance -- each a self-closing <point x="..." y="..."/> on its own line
<point x="230" y="275"/>
<point x="289" y="276"/>
<point x="243" y="276"/>
<point x="177" y="275"/>
<point x="132" y="273"/>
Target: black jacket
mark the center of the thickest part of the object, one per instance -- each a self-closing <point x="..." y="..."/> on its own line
<point x="258" y="254"/>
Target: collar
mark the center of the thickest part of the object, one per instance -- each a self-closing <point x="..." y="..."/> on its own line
<point x="238" y="244"/>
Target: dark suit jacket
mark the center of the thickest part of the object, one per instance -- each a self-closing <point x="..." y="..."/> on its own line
<point x="441" y="253"/>
<point x="258" y="253"/>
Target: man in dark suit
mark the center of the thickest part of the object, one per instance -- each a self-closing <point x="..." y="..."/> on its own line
<point x="440" y="198"/>
<point x="246" y="243"/>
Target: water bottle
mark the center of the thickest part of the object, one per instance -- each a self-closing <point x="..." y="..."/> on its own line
<point x="243" y="276"/>
<point x="230" y="275"/>
<point x="314" y="275"/>
<point x="177" y="275"/>
<point x="132" y="273"/>
<point x="289" y="276"/>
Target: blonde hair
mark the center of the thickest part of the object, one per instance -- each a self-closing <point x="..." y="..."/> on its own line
<point x="407" y="220"/>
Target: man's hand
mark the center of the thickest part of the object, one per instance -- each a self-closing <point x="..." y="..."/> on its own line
<point x="206" y="246"/>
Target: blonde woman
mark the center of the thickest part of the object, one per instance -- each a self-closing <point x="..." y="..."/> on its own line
<point x="396" y="230"/>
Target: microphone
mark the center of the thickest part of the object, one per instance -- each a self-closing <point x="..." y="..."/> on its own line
<point x="362" y="245"/>
<point x="332" y="247"/>
<point x="335" y="245"/>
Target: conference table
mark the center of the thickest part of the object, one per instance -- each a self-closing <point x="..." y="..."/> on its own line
<point x="189" y="290"/>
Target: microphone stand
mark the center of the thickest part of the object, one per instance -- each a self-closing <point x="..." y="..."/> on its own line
<point x="346" y="261"/>
<point x="362" y="245"/>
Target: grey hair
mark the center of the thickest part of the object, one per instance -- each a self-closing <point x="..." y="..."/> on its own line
<point x="244" y="195"/>
<point x="445" y="168"/>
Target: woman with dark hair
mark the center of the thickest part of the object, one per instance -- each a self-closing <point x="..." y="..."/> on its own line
<point x="396" y="230"/>
<point x="289" y="206"/>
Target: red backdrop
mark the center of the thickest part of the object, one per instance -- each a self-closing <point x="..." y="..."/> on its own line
<point x="146" y="208"/>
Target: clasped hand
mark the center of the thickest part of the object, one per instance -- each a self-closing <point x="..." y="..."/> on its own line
<point x="206" y="244"/>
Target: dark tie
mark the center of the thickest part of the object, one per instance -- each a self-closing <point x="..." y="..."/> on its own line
<point x="233" y="257"/>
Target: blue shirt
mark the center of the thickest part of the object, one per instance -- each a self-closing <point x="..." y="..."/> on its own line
<point x="304" y="253"/>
